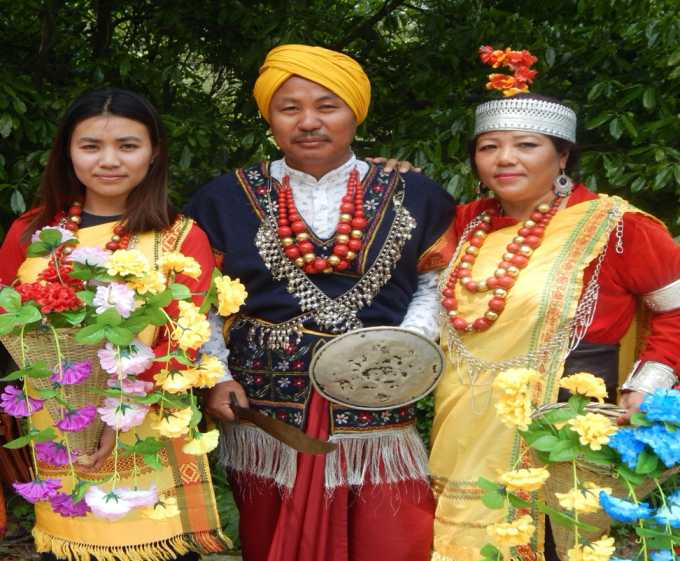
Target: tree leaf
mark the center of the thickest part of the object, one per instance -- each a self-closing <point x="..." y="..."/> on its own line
<point x="17" y="202"/>
<point x="545" y="443"/>
<point x="649" y="98"/>
<point x="616" y="128"/>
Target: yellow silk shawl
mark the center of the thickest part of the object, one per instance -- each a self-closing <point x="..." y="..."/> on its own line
<point x="196" y="527"/>
<point x="468" y="440"/>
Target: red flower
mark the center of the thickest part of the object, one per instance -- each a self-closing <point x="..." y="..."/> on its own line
<point x="51" y="296"/>
<point x="517" y="61"/>
<point x="500" y="82"/>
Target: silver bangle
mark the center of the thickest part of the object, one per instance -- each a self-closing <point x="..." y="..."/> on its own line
<point x="664" y="299"/>
<point x="649" y="376"/>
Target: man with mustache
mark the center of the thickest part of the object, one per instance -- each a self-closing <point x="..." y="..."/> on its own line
<point x="300" y="232"/>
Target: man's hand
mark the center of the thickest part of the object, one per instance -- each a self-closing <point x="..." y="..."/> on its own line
<point x="106" y="444"/>
<point x="392" y="163"/>
<point x="217" y="402"/>
<point x="630" y="401"/>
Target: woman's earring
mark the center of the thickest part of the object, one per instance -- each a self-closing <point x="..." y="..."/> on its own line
<point x="481" y="189"/>
<point x="562" y="185"/>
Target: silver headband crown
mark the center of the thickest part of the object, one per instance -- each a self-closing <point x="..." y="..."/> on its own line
<point x="534" y="115"/>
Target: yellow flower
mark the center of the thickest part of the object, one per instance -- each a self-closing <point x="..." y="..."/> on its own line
<point x="127" y="262"/>
<point x="153" y="283"/>
<point x="593" y="429"/>
<point x="514" y="388"/>
<point x="174" y="423"/>
<point x="164" y="508"/>
<point x="231" y="295"/>
<point x="209" y="371"/>
<point x="530" y="479"/>
<point x="583" y="383"/>
<point x="179" y="263"/>
<point x="585" y="500"/>
<point x="202" y="443"/>
<point x="193" y="328"/>
<point x="176" y="381"/>
<point x="600" y="550"/>
<point x="511" y="534"/>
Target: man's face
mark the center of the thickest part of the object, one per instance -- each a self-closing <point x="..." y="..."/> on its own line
<point x="313" y="127"/>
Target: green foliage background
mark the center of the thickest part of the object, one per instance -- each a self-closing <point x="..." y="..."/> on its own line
<point x="617" y="62"/>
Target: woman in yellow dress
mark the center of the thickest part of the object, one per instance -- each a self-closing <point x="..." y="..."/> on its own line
<point x="545" y="275"/>
<point x="106" y="183"/>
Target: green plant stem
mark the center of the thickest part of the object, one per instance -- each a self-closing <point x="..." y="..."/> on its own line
<point x="63" y="397"/>
<point x="641" y="524"/>
<point x="577" y="536"/>
<point x="667" y="526"/>
<point x="28" y="403"/>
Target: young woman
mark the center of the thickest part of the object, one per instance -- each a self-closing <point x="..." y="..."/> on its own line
<point x="106" y="181"/>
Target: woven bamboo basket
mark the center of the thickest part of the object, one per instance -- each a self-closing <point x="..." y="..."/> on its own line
<point x="561" y="481"/>
<point x="40" y="346"/>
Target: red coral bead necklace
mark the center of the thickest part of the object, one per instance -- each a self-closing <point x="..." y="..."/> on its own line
<point x="294" y="235"/>
<point x="517" y="255"/>
<point x="119" y="240"/>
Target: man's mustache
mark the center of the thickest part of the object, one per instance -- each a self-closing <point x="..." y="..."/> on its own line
<point x="311" y="134"/>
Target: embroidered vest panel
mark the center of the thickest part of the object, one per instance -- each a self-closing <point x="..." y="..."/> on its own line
<point x="233" y="210"/>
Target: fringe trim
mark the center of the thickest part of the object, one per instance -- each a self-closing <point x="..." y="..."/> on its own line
<point x="247" y="449"/>
<point x="387" y="456"/>
<point x="165" y="550"/>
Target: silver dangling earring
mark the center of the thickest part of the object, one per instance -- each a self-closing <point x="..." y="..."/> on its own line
<point x="482" y="190"/>
<point x="562" y="185"/>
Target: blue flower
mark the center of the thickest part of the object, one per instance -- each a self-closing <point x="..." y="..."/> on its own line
<point x="662" y="405"/>
<point x="674" y="498"/>
<point x="662" y="555"/>
<point x="668" y="515"/>
<point x="625" y="442"/>
<point x="622" y="510"/>
<point x="665" y="443"/>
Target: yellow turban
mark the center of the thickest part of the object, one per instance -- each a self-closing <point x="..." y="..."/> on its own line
<point x="333" y="70"/>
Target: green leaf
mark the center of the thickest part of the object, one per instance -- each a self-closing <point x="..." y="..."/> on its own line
<point x="518" y="502"/>
<point x="74" y="318"/>
<point x="559" y="415"/>
<point x="45" y="435"/>
<point x="152" y="461"/>
<point x="7" y="323"/>
<point x="16" y="375"/>
<point x="155" y="316"/>
<point x="5" y="126"/>
<point x="17" y="202"/>
<point x="80" y="489"/>
<point x="647" y="462"/>
<point x="493" y="500"/>
<point x="38" y="370"/>
<point x="545" y="443"/>
<point x="577" y="403"/>
<point x="662" y="178"/>
<point x="639" y="419"/>
<point x="119" y="335"/>
<point x="629" y="475"/>
<point x="86" y="296"/>
<point x="616" y="128"/>
<point x="10" y="299"/>
<point x="37" y="249"/>
<point x="91" y="334"/>
<point x="490" y="551"/>
<point x="161" y="300"/>
<point x="82" y="272"/>
<point x="51" y="237"/>
<point x="598" y="121"/>
<point x="17" y="442"/>
<point x="28" y="314"/>
<point x="46" y="393"/>
<point x="488" y="485"/>
<point x="649" y="98"/>
<point x="629" y="125"/>
<point x="109" y="317"/>
<point x="180" y="291"/>
<point x="674" y="58"/>
<point x="564" y="451"/>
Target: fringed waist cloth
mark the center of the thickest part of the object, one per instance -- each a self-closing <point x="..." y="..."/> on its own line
<point x="373" y="446"/>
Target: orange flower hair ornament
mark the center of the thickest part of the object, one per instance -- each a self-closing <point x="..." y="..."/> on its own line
<point x="519" y="62"/>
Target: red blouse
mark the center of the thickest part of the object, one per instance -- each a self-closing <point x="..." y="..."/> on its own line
<point x="650" y="260"/>
<point x="195" y="244"/>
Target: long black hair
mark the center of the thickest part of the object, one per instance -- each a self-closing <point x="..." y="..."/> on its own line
<point x="147" y="207"/>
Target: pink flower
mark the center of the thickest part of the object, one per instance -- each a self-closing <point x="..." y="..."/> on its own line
<point x="94" y="256"/>
<point x="66" y="235"/>
<point x="38" y="489"/>
<point x="63" y="504"/>
<point x="54" y="453"/>
<point x="13" y="402"/>
<point x="133" y="359"/>
<point x="75" y="420"/>
<point x="131" y="386"/>
<point x="72" y="373"/>
<point x="140" y="497"/>
<point x="115" y="295"/>
<point x="122" y="416"/>
<point x="111" y="506"/>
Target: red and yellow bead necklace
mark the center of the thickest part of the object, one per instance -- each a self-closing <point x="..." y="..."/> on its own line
<point x="119" y="240"/>
<point x="295" y="238"/>
<point x="519" y="251"/>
